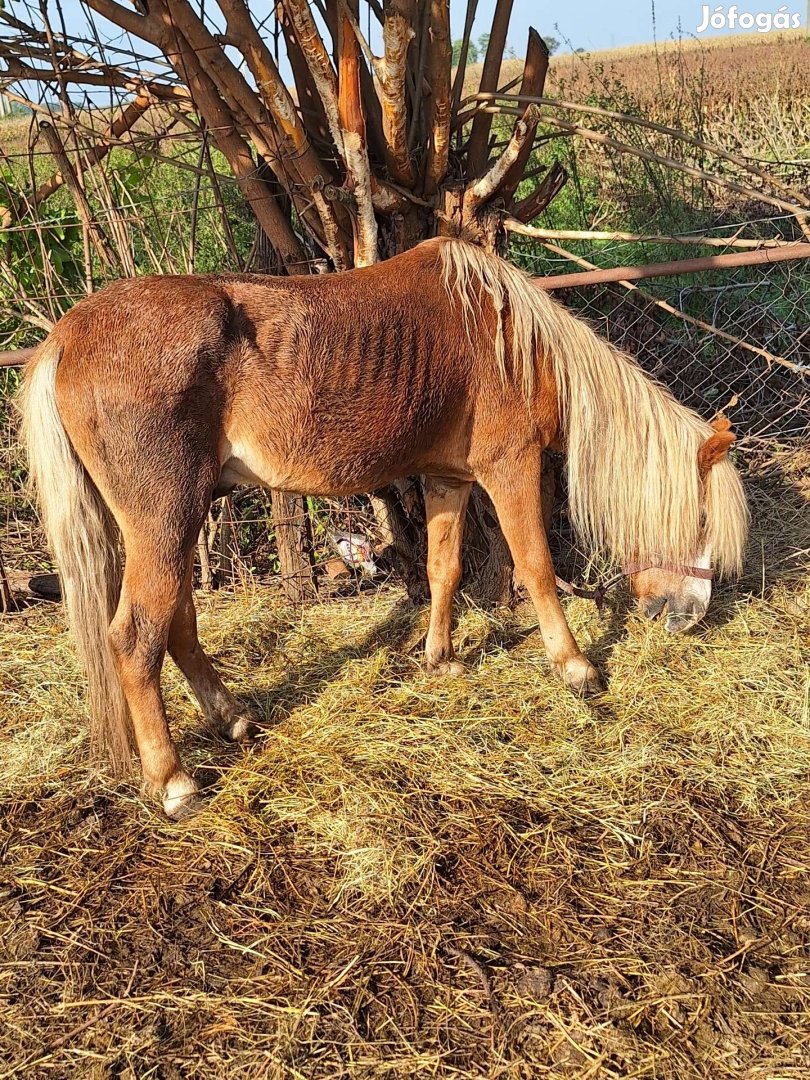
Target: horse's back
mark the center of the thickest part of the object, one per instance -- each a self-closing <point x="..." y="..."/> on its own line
<point x="322" y="384"/>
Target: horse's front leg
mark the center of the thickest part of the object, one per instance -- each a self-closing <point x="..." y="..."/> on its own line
<point x="514" y="485"/>
<point x="445" y="507"/>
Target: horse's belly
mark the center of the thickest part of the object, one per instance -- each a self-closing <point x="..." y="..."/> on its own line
<point x="333" y="473"/>
<point x="345" y="443"/>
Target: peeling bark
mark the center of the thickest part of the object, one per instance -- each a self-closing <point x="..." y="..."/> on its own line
<point x="398" y="33"/>
<point x="355" y="153"/>
<point x="320" y="66"/>
<point x="484" y="190"/>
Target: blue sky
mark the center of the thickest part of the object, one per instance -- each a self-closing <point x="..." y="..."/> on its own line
<point x="585" y="24"/>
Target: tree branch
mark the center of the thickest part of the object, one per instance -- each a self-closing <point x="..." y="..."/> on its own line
<point x="280" y="105"/>
<point x="124" y="122"/>
<point x="107" y="76"/>
<point x="320" y="66"/>
<point x="398" y="32"/>
<point x="83" y="208"/>
<point x="534" y="80"/>
<point x="223" y="129"/>
<point x="565" y="281"/>
<point x="461" y="70"/>
<point x="547" y="190"/>
<point x="353" y="132"/>
<point x="310" y="105"/>
<point x="121" y="16"/>
<point x="650" y="125"/>
<point x="477" y="150"/>
<point x="485" y="189"/>
<point x="512" y="224"/>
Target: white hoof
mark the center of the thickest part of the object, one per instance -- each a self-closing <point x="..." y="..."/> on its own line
<point x="181" y="799"/>
<point x="241" y="727"/>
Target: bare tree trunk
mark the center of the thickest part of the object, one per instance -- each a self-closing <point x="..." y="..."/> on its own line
<point x="83" y="208"/>
<point x="488" y="568"/>
<point x="226" y="540"/>
<point x="294" y="545"/>
<point x="400" y="514"/>
<point x="204" y="557"/>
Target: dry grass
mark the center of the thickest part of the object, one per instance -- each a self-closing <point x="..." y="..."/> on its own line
<point x="703" y="77"/>
<point x="409" y="877"/>
<point x="776" y="39"/>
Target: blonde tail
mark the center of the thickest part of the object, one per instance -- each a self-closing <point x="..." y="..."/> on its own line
<point x="83" y="540"/>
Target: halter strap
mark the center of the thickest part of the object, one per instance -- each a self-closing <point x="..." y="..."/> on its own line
<point x="704" y="573"/>
<point x="598" y="592"/>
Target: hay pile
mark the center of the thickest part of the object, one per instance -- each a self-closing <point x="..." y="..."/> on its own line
<point x="410" y="877"/>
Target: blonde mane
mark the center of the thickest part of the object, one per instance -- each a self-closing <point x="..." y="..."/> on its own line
<point x="635" y="489"/>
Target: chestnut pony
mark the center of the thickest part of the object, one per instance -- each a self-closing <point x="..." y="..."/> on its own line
<point x="156" y="394"/>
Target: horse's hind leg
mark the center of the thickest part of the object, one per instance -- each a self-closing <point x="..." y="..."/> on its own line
<point x="445" y="507"/>
<point x="222" y="711"/>
<point x="514" y="485"/>
<point x="156" y="569"/>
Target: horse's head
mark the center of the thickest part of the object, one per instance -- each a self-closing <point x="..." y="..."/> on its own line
<point x="682" y="593"/>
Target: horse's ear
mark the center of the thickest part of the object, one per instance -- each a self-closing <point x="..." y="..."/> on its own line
<point x="716" y="446"/>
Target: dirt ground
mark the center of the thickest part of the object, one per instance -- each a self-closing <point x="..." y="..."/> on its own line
<point x="410" y="877"/>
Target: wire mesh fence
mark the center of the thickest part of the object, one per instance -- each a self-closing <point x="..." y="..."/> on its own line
<point x="736" y="341"/>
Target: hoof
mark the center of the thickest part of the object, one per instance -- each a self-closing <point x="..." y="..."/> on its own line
<point x="453" y="668"/>
<point x="240" y="728"/>
<point x="581" y="677"/>
<point x="182" y="799"/>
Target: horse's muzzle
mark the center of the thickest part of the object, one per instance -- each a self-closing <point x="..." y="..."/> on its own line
<point x="679" y="615"/>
